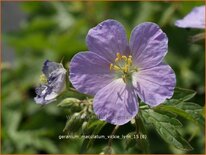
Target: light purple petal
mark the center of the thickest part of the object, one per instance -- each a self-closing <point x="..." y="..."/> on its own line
<point x="195" y="19"/>
<point x="148" y="45"/>
<point x="116" y="103"/>
<point x="107" y="38"/>
<point x="155" y="85"/>
<point x="56" y="80"/>
<point x="50" y="66"/>
<point x="89" y="72"/>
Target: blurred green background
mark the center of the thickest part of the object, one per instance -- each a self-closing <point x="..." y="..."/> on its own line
<point x="56" y="30"/>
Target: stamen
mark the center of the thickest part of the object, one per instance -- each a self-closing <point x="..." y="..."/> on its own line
<point x="116" y="68"/>
<point x="123" y="66"/>
<point x="124" y="78"/>
<point x="126" y="68"/>
<point x="117" y="59"/>
<point x="43" y="78"/>
<point x="129" y="62"/>
<point x="124" y="57"/>
<point x="118" y="56"/>
<point x="111" y="66"/>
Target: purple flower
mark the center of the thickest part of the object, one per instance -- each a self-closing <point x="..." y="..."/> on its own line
<point x="117" y="72"/>
<point x="195" y="19"/>
<point x="53" y="79"/>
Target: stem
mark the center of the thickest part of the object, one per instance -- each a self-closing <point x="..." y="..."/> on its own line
<point x="197" y="37"/>
<point x="140" y="129"/>
<point x="136" y="124"/>
<point x="113" y="132"/>
<point x="72" y="89"/>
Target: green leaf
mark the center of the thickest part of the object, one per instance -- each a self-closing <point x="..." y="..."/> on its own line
<point x="195" y="110"/>
<point x="164" y="118"/>
<point x="129" y="141"/>
<point x="166" y="128"/>
<point x="74" y="123"/>
<point x="187" y="110"/>
<point x="87" y="143"/>
<point x="190" y="107"/>
<point x="182" y="94"/>
<point x="135" y="140"/>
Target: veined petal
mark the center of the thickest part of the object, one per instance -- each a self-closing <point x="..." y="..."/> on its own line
<point x="155" y="85"/>
<point x="107" y="39"/>
<point x="46" y="93"/>
<point x="195" y="19"/>
<point x="50" y="66"/>
<point x="148" y="45"/>
<point x="116" y="103"/>
<point x="89" y="72"/>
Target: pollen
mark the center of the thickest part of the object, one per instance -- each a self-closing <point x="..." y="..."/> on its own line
<point x="122" y="63"/>
<point x="43" y="78"/>
<point x="122" y="66"/>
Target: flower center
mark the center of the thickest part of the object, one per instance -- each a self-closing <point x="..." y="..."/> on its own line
<point x="123" y="67"/>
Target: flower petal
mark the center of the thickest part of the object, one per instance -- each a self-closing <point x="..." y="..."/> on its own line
<point x="116" y="103"/>
<point x="50" y="66"/>
<point x="56" y="78"/>
<point x="195" y="19"/>
<point x="155" y="85"/>
<point x="45" y="95"/>
<point x="89" y="72"/>
<point x="148" y="45"/>
<point x="107" y="39"/>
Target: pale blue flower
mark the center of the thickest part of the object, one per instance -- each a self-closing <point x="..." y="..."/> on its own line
<point x="195" y="19"/>
<point x="117" y="72"/>
<point x="54" y="77"/>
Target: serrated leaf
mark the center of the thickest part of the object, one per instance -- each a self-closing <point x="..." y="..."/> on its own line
<point x="87" y="143"/>
<point x="195" y="110"/>
<point x="181" y="109"/>
<point x="164" y="118"/>
<point x="166" y="129"/>
<point x="183" y="94"/>
<point x="190" y="106"/>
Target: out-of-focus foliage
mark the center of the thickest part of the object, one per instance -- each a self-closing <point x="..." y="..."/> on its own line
<point x="56" y="31"/>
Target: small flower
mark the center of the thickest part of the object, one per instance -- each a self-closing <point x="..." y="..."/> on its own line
<point x="53" y="82"/>
<point x="195" y="19"/>
<point x="116" y="72"/>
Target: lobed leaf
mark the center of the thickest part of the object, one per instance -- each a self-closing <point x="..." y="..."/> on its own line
<point x="166" y="128"/>
<point x="190" y="111"/>
<point x="182" y="94"/>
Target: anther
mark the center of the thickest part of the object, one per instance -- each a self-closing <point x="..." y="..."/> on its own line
<point x="116" y="68"/>
<point x="126" y="68"/>
<point x="129" y="60"/>
<point x="111" y="66"/>
<point x="43" y="78"/>
<point x="117" y="59"/>
<point x="118" y="56"/>
<point x="124" y="57"/>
